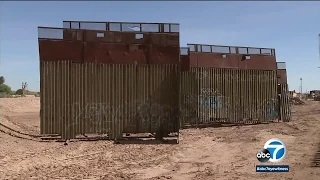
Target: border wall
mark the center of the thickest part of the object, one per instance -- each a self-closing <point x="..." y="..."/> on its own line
<point x="81" y="98"/>
<point x="232" y="96"/>
<point x="106" y="78"/>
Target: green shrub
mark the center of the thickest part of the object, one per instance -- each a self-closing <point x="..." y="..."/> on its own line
<point x="5" y="89"/>
<point x="19" y="92"/>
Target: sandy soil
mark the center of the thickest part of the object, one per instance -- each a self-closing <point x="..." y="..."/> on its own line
<point x="210" y="153"/>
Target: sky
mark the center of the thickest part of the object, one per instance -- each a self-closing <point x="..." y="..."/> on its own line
<point x="291" y="28"/>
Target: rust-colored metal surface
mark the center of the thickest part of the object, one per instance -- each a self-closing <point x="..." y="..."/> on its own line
<point x="115" y="77"/>
<point x="210" y="95"/>
<point x="55" y="50"/>
<point x="285" y="110"/>
<point x="281" y="73"/>
<point x="164" y="54"/>
<point x="282" y="76"/>
<point x="232" y="57"/>
<point x="81" y="98"/>
<point x="259" y="62"/>
<point x="185" y="62"/>
<point x="95" y="52"/>
<point x="184" y="59"/>
<point x="214" y="60"/>
<point x="108" y="47"/>
<point x="130" y="37"/>
<point x="193" y="59"/>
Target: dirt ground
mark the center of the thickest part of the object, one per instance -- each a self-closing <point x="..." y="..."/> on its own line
<point x="210" y="153"/>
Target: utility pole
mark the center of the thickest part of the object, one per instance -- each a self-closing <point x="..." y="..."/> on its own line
<point x="319" y="46"/>
<point x="300" y="85"/>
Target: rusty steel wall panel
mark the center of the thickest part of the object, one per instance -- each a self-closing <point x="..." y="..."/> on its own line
<point x="259" y="62"/>
<point x="116" y="37"/>
<point x="51" y="98"/>
<point x="157" y="99"/>
<point x="193" y="59"/>
<point x="184" y="59"/>
<point x="189" y="93"/>
<point x="185" y="62"/>
<point x="82" y="98"/>
<point x="131" y="37"/>
<point x="164" y="39"/>
<point x="57" y="50"/>
<point x="211" y="95"/>
<point x="164" y="54"/>
<point x="232" y="57"/>
<point x="164" y="88"/>
<point x="281" y="73"/>
<point x="55" y="99"/>
<point x="232" y="61"/>
<point x="214" y="60"/>
<point x="285" y="110"/>
<point x="108" y="47"/>
<point x="96" y="52"/>
<point x="282" y="76"/>
<point x="72" y="35"/>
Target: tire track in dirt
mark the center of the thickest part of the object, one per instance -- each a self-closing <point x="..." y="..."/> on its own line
<point x="25" y="127"/>
<point x="18" y="132"/>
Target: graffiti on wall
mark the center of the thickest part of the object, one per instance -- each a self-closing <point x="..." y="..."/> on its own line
<point x="211" y="102"/>
<point x="271" y="108"/>
<point x="151" y="114"/>
<point x="272" y="113"/>
<point x="209" y="91"/>
<point x="143" y="110"/>
<point x="154" y="113"/>
<point x="93" y="114"/>
<point x="210" y="98"/>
